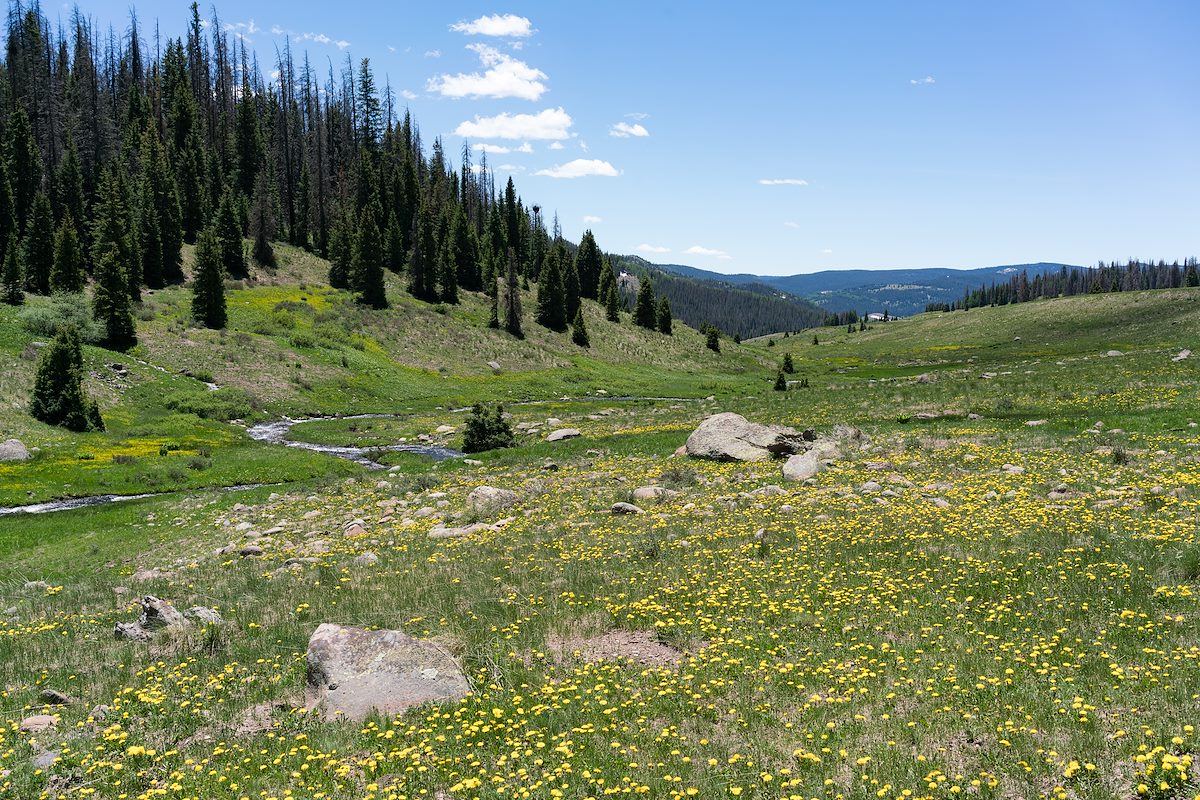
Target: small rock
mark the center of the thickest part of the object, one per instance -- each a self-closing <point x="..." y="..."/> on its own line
<point x="203" y="616"/>
<point x="870" y="487"/>
<point x="1183" y="354"/>
<point x="644" y="493"/>
<point x="45" y="760"/>
<point x="53" y="697"/>
<point x="355" y="527"/>
<point x="626" y="508"/>
<point x="563" y="433"/>
<point x="250" y="550"/>
<point x="36" y="586"/>
<point x="494" y="365"/>
<point x="486" y="499"/>
<point x="443" y="429"/>
<point x="1034" y="423"/>
<point x="1114" y="354"/>
<point x="366" y="560"/>
<point x="38" y="723"/>
<point x="13" y="450"/>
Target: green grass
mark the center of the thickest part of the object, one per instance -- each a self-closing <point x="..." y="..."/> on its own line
<point x="835" y="642"/>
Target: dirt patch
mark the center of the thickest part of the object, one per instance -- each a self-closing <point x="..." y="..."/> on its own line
<point x="640" y="647"/>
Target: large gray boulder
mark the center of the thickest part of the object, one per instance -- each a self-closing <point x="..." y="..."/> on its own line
<point x="352" y="672"/>
<point x="731" y="437"/>
<point x="156" y="615"/>
<point x="13" y="450"/>
<point x="802" y="467"/>
<point x="486" y="499"/>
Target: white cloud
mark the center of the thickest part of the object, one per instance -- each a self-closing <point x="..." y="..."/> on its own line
<point x="408" y="95"/>
<point x="342" y="44"/>
<point x="583" y="146"/>
<point x="433" y="53"/>
<point x="495" y="25"/>
<point x="391" y="49"/>
<point x="650" y="248"/>
<point x="588" y="219"/>
<point x="514" y="168"/>
<point x="525" y="148"/>
<point x="623" y="130"/>
<point x="492" y="148"/>
<point x="783" y="182"/>
<point x="697" y="250"/>
<point x="827" y="251"/>
<point x="637" y="115"/>
<point x="556" y="145"/>
<point x="505" y="77"/>
<point x="277" y="30"/>
<point x="926" y="81"/>
<point x="791" y="224"/>
<point x="552" y="123"/>
<point x="580" y="168"/>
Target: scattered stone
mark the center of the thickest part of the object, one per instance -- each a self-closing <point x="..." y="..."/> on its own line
<point x="151" y="575"/>
<point x="14" y="450"/>
<point x="352" y="672"/>
<point x="1114" y="354"/>
<point x="940" y="502"/>
<point x="444" y="429"/>
<point x="870" y="487"/>
<point x="156" y="615"/>
<point x="250" y="550"/>
<point x="770" y="490"/>
<point x="1035" y="423"/>
<point x="444" y="532"/>
<point x="802" y="467"/>
<point x="924" y="378"/>
<point x="1013" y="469"/>
<point x="973" y="416"/>
<point x="474" y="462"/>
<point x="731" y="437"/>
<point x="53" y="697"/>
<point x="643" y="493"/>
<point x="45" y="759"/>
<point x="552" y="421"/>
<point x="355" y="527"/>
<point x="563" y="433"/>
<point x="486" y="499"/>
<point x="38" y="723"/>
<point x="366" y="560"/>
<point x="626" y="508"/>
<point x="203" y="616"/>
<point x="1182" y="355"/>
<point x="494" y="365"/>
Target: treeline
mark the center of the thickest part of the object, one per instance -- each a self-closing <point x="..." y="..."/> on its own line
<point x="737" y="311"/>
<point x="118" y="150"/>
<point x="1111" y="277"/>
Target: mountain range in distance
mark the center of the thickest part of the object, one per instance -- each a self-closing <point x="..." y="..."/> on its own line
<point x="901" y="292"/>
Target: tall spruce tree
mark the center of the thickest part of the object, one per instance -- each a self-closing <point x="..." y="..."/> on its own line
<point x="570" y="281"/>
<point x="12" y="279"/>
<point x="552" y="296"/>
<point x="367" y="266"/>
<point x="160" y="217"/>
<point x="422" y="264"/>
<point x="58" y="397"/>
<point x="465" y="258"/>
<point x="612" y="304"/>
<point x="112" y="227"/>
<point x="24" y="166"/>
<point x="393" y="244"/>
<point x="111" y="304"/>
<point x="8" y="218"/>
<point x="39" y="246"/>
<point x="262" y="223"/>
<point x="588" y="263"/>
<point x="229" y="230"/>
<point x="645" y="313"/>
<point x="67" y="274"/>
<point x="512" y="297"/>
<point x="208" y="282"/>
<point x="69" y="193"/>
<point x="341" y="252"/>
<point x="665" y="323"/>
<point x="448" y="268"/>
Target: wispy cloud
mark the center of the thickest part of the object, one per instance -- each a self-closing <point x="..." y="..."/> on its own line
<point x="580" y="168"/>
<point x="637" y="115"/>
<point x="827" y="250"/>
<point x="513" y="168"/>
<point x="408" y="95"/>
<point x="433" y="53"/>
<point x="783" y="182"/>
<point x="588" y="219"/>
<point x="277" y="31"/>
<point x="322" y="38"/>
<point x="926" y="81"/>
<point x="506" y="25"/>
<point x="505" y="76"/>
<point x="697" y="250"/>
<point x="791" y="224"/>
<point x="556" y="145"/>
<point x="652" y="248"/>
<point x="553" y="123"/>
<point x="494" y="149"/>
<point x="623" y="130"/>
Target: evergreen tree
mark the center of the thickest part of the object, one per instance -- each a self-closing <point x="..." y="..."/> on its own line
<point x="301" y="234"/>
<point x="612" y="304"/>
<point x="367" y="266"/>
<point x="188" y="162"/>
<point x="262" y="223"/>
<point x="494" y="311"/>
<point x="487" y="430"/>
<point x="229" y="231"/>
<point x="341" y="252"/>
<point x="465" y="259"/>
<point x="512" y="298"/>
<point x="161" y="231"/>
<point x="393" y="245"/>
<point x="552" y="296"/>
<point x="645" y="313"/>
<point x="247" y="142"/>
<point x="67" y="274"/>
<point x="111" y="304"/>
<point x="12" y="280"/>
<point x="422" y="263"/>
<point x="448" y="269"/>
<point x="113" y="227"/>
<point x="665" y="323"/>
<point x="69" y="193"/>
<point x="788" y="366"/>
<point x="780" y="382"/>
<point x="208" y="282"/>
<point x="1191" y="278"/>
<point x="151" y="246"/>
<point x="588" y="263"/>
<point x="712" y="337"/>
<point x="39" y="246"/>
<point x="570" y="280"/>
<point x="58" y="397"/>
<point x="8" y="218"/>
<point x="579" y="334"/>
<point x="24" y="167"/>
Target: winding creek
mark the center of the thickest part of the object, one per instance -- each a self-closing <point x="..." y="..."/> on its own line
<point x="276" y="432"/>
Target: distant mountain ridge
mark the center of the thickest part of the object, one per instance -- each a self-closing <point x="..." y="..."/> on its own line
<point x="900" y="291"/>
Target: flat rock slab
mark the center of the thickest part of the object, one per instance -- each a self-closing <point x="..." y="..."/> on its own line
<point x="353" y="672"/>
<point x="563" y="433"/>
<point x="13" y="450"/>
<point x="732" y="437"/>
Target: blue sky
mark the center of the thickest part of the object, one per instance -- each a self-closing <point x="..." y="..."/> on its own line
<point x="793" y="137"/>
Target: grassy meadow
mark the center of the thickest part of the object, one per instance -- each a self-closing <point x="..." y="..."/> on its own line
<point x="970" y="605"/>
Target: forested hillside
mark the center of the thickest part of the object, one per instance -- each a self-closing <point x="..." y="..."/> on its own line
<point x="744" y="309"/>
<point x="117" y="156"/>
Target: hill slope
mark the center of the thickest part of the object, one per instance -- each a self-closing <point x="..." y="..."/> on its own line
<point x="900" y="291"/>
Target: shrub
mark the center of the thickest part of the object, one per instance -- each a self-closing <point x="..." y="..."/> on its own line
<point x="63" y="310"/>
<point x="223" y="404"/>
<point x="487" y="430"/>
